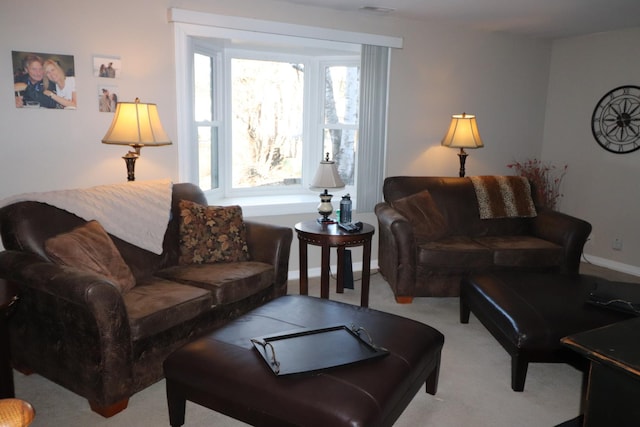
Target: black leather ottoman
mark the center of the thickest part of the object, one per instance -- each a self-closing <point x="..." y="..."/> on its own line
<point x="222" y="371"/>
<point x="528" y="313"/>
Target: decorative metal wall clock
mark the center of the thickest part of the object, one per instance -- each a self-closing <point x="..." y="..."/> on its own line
<point x="616" y="120"/>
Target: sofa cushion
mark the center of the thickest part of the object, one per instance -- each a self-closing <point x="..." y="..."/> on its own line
<point x="228" y="282"/>
<point x="211" y="234"/>
<point x="89" y="247"/>
<point x="423" y="214"/>
<point x="522" y="251"/>
<point x="156" y="305"/>
<point x="455" y="252"/>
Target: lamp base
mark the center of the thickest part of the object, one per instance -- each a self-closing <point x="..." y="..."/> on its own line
<point x="463" y="158"/>
<point x="130" y="159"/>
<point x="325" y="208"/>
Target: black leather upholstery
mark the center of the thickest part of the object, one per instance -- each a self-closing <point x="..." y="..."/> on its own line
<point x="529" y="313"/>
<point x="223" y="371"/>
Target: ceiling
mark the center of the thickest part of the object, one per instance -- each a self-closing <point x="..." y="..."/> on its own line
<point x="547" y="19"/>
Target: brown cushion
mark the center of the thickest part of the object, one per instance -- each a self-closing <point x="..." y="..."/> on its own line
<point x="89" y="247"/>
<point x="227" y="282"/>
<point x="423" y="214"/>
<point x="211" y="234"/>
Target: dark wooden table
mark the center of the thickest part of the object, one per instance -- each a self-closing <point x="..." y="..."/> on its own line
<point x="8" y="297"/>
<point x="614" y="377"/>
<point x="327" y="236"/>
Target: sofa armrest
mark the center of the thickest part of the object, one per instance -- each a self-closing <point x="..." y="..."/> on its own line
<point x="397" y="250"/>
<point x="55" y="300"/>
<point x="565" y="230"/>
<point x="271" y="244"/>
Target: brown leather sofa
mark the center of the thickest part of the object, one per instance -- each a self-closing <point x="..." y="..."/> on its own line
<point x="458" y="242"/>
<point x="77" y="329"/>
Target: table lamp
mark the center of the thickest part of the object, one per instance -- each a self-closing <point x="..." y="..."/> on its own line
<point x="326" y="177"/>
<point x="463" y="133"/>
<point x="138" y="125"/>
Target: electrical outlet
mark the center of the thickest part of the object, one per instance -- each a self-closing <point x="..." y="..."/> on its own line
<point x="617" y="244"/>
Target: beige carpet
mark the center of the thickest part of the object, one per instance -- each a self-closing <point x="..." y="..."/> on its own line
<point x="474" y="387"/>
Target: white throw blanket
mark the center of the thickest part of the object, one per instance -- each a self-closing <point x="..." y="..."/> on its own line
<point x="136" y="212"/>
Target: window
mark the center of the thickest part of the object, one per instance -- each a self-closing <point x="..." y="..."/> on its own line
<point x="267" y="105"/>
<point x="204" y="151"/>
<point x="341" y="106"/>
<point x="206" y="118"/>
<point x="265" y="116"/>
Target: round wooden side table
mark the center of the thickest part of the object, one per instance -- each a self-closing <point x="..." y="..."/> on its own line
<point x="8" y="297"/>
<point x="327" y="236"/>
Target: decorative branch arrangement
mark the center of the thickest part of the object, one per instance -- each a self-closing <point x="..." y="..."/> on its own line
<point x="546" y="179"/>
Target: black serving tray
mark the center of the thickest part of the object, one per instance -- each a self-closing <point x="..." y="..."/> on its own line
<point x="312" y="350"/>
<point x="619" y="296"/>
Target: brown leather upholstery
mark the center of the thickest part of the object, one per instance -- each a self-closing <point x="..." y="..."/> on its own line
<point x="223" y="372"/>
<point x="529" y="313"/>
<point x="413" y="266"/>
<point x="77" y="329"/>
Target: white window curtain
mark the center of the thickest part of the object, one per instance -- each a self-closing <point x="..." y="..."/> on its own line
<point x="374" y="74"/>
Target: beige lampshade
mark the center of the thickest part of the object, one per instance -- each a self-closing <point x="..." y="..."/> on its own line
<point x="463" y="132"/>
<point x="136" y="124"/>
<point x="327" y="176"/>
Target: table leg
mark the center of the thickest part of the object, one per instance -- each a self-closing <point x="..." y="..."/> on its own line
<point x="340" y="278"/>
<point x="324" y="274"/>
<point x="366" y="272"/>
<point x="304" y="273"/>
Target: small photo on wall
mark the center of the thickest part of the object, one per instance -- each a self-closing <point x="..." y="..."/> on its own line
<point x="108" y="67"/>
<point x="44" y="80"/>
<point x="107" y="98"/>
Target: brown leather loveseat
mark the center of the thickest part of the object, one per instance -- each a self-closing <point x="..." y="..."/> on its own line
<point x="78" y="329"/>
<point x="431" y="236"/>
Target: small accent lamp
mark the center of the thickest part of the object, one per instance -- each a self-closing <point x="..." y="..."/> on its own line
<point x="463" y="133"/>
<point x="326" y="177"/>
<point x="137" y="125"/>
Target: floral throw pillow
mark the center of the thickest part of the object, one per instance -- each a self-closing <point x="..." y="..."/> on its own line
<point x="211" y="234"/>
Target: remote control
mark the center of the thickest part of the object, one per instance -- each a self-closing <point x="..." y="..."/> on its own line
<point x="351" y="228"/>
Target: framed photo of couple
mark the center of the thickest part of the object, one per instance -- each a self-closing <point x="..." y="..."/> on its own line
<point x="108" y="67"/>
<point x="44" y="80"/>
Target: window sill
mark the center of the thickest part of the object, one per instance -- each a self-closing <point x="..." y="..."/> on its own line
<point x="273" y="205"/>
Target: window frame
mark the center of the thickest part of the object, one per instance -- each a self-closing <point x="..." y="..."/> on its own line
<point x="307" y="160"/>
<point x="216" y="54"/>
<point x="313" y="115"/>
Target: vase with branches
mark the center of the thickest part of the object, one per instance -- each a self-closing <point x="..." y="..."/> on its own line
<point x="545" y="177"/>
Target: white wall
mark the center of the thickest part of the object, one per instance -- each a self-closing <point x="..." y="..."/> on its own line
<point x="442" y="70"/>
<point x="601" y="187"/>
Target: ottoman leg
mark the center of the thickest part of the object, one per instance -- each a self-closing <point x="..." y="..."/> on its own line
<point x="177" y="405"/>
<point x="519" y="367"/>
<point x="432" y="379"/>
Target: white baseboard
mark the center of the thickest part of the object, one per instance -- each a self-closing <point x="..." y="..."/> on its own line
<point x="612" y="265"/>
<point x="315" y="271"/>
